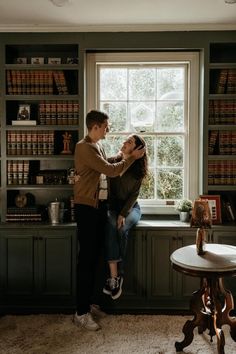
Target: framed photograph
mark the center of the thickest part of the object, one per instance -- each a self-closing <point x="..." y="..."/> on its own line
<point x="54" y="61"/>
<point x="38" y="60"/>
<point x="23" y="112"/>
<point x="21" y="60"/>
<point x="72" y="61"/>
<point x="215" y="207"/>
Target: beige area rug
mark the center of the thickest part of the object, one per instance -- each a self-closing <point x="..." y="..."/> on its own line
<point x="139" y="334"/>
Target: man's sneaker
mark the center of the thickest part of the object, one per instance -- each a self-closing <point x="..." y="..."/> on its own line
<point x="107" y="287"/>
<point x="86" y="321"/>
<point x="96" y="311"/>
<point x="116" y="287"/>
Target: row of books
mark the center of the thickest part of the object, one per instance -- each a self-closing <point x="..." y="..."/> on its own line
<point x="221" y="172"/>
<point x="58" y="113"/>
<point x="36" y="82"/>
<point x="226" y="83"/>
<point x="20" y="142"/>
<point x="222" y="142"/>
<point x="17" y="172"/>
<point x="222" y="112"/>
<point x="36" y="213"/>
<point x="27" y="214"/>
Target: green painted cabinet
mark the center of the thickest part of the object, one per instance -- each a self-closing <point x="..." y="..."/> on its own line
<point x="167" y="288"/>
<point x="228" y="238"/>
<point x="38" y="268"/>
<point x="150" y="283"/>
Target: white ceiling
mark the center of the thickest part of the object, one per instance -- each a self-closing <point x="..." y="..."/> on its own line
<point x="113" y="15"/>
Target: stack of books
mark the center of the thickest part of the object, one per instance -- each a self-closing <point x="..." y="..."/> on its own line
<point x="15" y="214"/>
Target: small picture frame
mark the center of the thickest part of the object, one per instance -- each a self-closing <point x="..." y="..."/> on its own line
<point x="21" y="60"/>
<point x="54" y="61"/>
<point x="37" y="60"/>
<point x="215" y="207"/>
<point x="23" y="112"/>
<point x="72" y="61"/>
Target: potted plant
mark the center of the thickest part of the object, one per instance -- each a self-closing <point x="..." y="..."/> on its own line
<point x="184" y="206"/>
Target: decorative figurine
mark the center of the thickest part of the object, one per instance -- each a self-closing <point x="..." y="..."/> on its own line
<point x="66" y="143"/>
<point x="201" y="218"/>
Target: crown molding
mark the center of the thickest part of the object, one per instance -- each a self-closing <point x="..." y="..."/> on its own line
<point x="119" y="28"/>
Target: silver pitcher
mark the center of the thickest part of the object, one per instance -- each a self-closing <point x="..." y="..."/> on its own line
<point x="55" y="212"/>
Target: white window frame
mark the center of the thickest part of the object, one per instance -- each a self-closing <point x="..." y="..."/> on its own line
<point x="191" y="163"/>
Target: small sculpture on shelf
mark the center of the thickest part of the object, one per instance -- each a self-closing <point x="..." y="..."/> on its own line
<point x="66" y="144"/>
<point x="201" y="218"/>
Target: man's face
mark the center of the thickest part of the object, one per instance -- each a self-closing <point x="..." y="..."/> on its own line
<point x="103" y="130"/>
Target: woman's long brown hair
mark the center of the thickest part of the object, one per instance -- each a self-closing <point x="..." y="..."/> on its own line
<point x="139" y="168"/>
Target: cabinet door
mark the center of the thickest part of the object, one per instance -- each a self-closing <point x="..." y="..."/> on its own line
<point x="56" y="262"/>
<point x="17" y="262"/>
<point x="227" y="238"/>
<point x="161" y="287"/>
<point x="185" y="283"/>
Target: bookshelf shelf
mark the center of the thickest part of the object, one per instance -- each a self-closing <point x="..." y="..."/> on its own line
<point x="221" y="124"/>
<point x="221" y="157"/>
<point x="40" y="187"/>
<point x="220" y="188"/>
<point x="222" y="96"/>
<point x="222" y="66"/>
<point x="40" y="97"/>
<point x="38" y="159"/>
<point x="221" y="127"/>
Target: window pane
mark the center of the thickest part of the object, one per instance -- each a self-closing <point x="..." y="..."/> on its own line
<point x="170" y="83"/>
<point x="169" y="183"/>
<point x="170" y="116"/>
<point x="113" y="84"/>
<point x="170" y="151"/>
<point x="147" y="189"/>
<point x="150" y="143"/>
<point x="141" y="84"/>
<point x="117" y="113"/>
<point x="112" y="144"/>
<point x="142" y="116"/>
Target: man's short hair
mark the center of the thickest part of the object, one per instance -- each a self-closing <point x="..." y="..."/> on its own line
<point x="95" y="117"/>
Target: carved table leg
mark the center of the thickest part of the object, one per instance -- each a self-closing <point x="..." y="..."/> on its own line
<point x="196" y="306"/>
<point x="228" y="306"/>
<point x="209" y="312"/>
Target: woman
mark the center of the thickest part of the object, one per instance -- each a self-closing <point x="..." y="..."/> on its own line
<point x="124" y="212"/>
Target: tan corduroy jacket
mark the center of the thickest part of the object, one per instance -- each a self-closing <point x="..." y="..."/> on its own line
<point x="90" y="162"/>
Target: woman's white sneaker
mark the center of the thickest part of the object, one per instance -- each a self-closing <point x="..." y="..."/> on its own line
<point x="86" y="321"/>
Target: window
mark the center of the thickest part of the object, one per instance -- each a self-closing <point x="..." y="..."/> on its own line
<point x="156" y="96"/>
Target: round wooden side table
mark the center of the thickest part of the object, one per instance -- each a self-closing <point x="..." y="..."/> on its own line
<point x="212" y="303"/>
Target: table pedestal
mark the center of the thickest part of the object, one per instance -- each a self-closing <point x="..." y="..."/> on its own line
<point x="211" y="305"/>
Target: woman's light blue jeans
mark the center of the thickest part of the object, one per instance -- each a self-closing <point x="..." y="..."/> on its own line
<point x="116" y="240"/>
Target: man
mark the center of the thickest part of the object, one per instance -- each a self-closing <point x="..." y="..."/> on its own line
<point x="90" y="195"/>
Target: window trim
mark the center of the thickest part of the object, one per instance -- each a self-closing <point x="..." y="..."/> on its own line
<point x="192" y="152"/>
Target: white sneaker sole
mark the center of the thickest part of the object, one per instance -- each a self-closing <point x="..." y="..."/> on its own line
<point x="114" y="297"/>
<point x="105" y="291"/>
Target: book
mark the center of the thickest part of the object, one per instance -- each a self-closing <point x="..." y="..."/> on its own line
<point x="212" y="141"/>
<point x="24" y="122"/>
<point x="222" y="81"/>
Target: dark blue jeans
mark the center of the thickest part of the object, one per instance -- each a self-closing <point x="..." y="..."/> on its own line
<point x="116" y="240"/>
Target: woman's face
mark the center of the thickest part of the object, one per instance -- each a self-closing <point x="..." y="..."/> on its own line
<point x="128" y="145"/>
